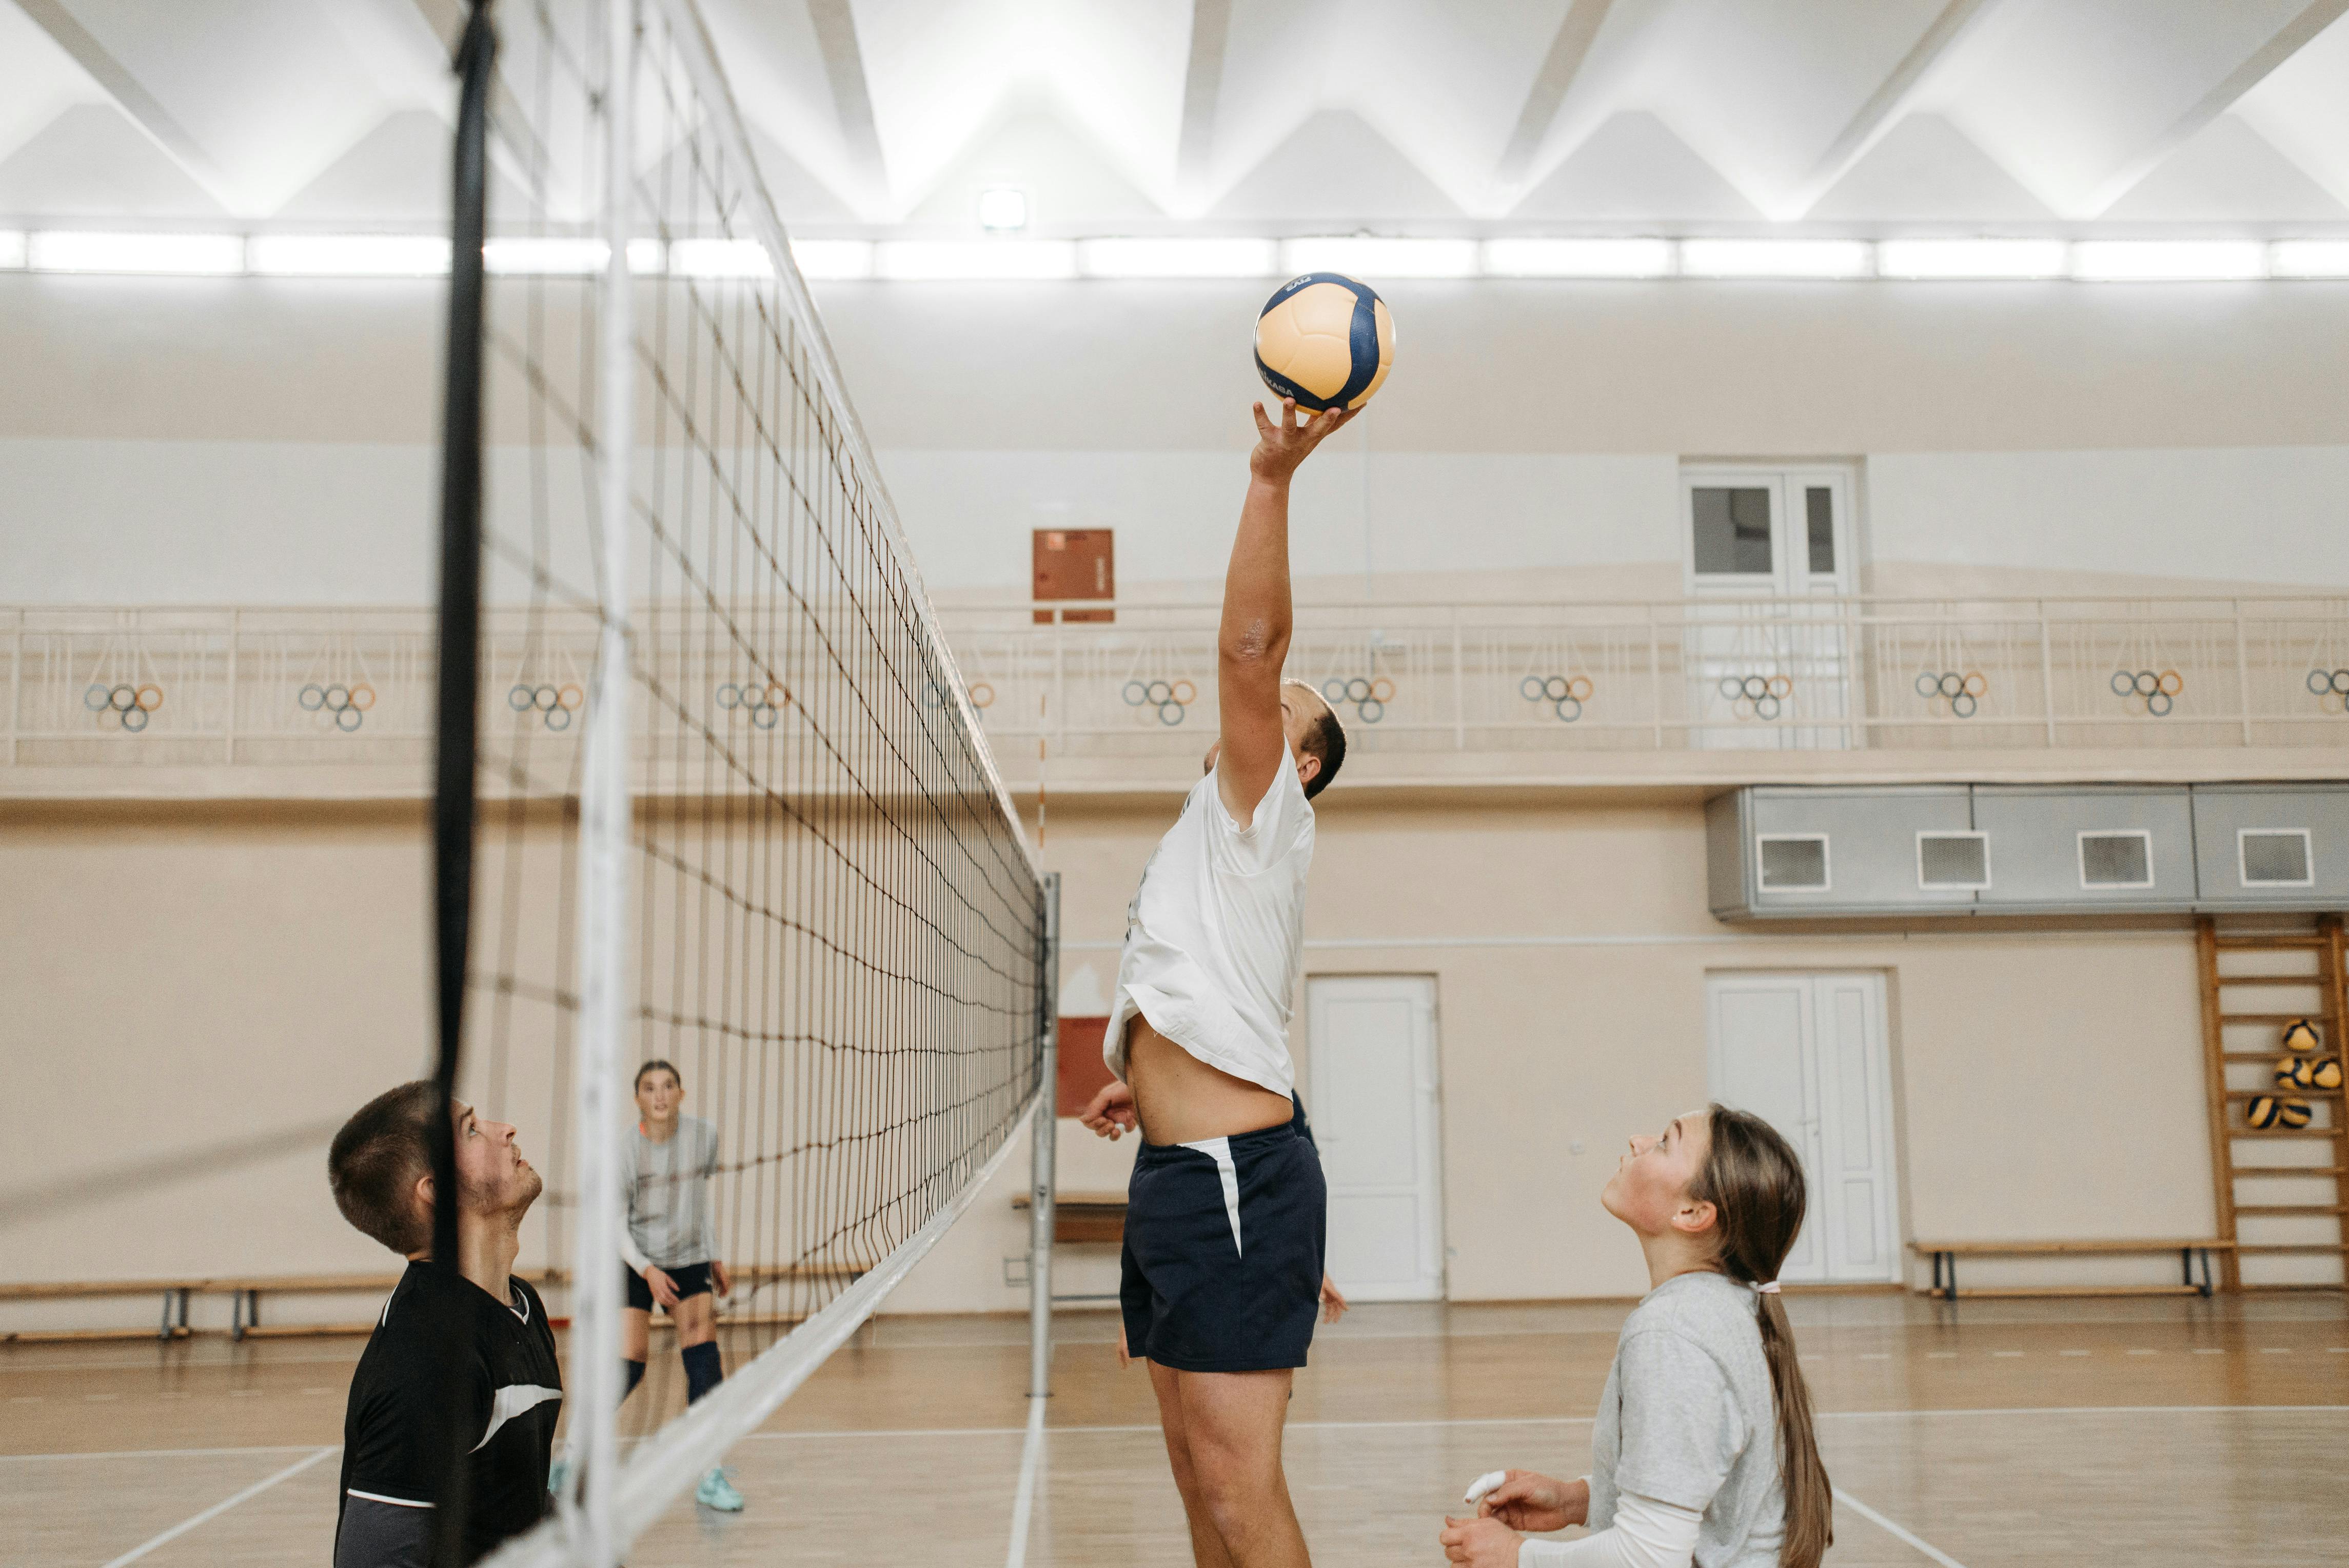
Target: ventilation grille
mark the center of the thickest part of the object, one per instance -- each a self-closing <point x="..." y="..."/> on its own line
<point x="1793" y="863"/>
<point x="2116" y="860"/>
<point x="2275" y="858"/>
<point x="1953" y="860"/>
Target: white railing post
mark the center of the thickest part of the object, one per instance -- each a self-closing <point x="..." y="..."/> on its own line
<point x="17" y="689"/>
<point x="2242" y="671"/>
<point x="1656" y="675"/>
<point x="2046" y="670"/>
<point x="235" y="637"/>
<point x="1459" y="688"/>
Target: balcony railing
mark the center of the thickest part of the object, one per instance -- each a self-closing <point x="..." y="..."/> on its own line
<point x="98" y="686"/>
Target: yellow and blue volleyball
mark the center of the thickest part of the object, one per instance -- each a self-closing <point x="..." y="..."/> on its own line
<point x="1325" y="340"/>
<point x="2300" y="1035"/>
<point x="2292" y="1072"/>
<point x="2291" y="1113"/>
<point x="2325" y="1074"/>
<point x="2262" y="1111"/>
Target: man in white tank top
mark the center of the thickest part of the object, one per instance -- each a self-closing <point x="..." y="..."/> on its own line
<point x="1227" y="1212"/>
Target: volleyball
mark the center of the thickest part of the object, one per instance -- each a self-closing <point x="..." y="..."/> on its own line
<point x="2300" y="1035"/>
<point x="2326" y="1074"/>
<point x="2262" y="1112"/>
<point x="1325" y="340"/>
<point x="2294" y="1072"/>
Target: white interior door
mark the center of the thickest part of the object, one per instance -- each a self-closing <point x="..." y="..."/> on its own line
<point x="1373" y="1088"/>
<point x="1769" y="559"/>
<point x="1806" y="1053"/>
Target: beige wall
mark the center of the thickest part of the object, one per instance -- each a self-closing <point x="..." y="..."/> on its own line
<point x="197" y="994"/>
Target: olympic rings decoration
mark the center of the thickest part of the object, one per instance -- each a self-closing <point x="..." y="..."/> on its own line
<point x="1169" y="700"/>
<point x="2155" y="692"/>
<point x="762" y="705"/>
<point x="982" y="695"/>
<point x="1756" y="695"/>
<point x="2329" y="688"/>
<point x="1563" y="694"/>
<point x="127" y="706"/>
<point x="1962" y="689"/>
<point x="1368" y="694"/>
<point x="343" y="706"/>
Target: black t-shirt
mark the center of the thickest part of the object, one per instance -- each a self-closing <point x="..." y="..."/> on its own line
<point x="509" y="1391"/>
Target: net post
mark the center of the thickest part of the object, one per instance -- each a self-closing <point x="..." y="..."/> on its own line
<point x="605" y="819"/>
<point x="1044" y="1132"/>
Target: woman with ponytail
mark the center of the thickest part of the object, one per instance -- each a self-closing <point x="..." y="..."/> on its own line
<point x="1704" y="1450"/>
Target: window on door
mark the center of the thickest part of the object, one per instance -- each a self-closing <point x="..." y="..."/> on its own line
<point x="1768" y="530"/>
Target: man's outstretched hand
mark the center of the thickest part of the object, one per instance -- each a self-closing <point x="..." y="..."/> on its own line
<point x="1111" y="1113"/>
<point x="1282" y="442"/>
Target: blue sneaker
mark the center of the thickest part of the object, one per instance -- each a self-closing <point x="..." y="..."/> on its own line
<point x="556" y="1474"/>
<point x="717" y="1492"/>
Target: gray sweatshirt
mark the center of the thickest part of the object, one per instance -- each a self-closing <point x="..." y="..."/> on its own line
<point x="667" y="1190"/>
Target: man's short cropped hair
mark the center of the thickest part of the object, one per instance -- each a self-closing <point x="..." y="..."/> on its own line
<point x="375" y="1160"/>
<point x="1327" y="740"/>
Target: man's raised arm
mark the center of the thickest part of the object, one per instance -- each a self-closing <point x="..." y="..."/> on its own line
<point x="1253" y="639"/>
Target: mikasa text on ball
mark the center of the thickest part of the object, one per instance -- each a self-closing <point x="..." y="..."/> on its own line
<point x="1325" y="340"/>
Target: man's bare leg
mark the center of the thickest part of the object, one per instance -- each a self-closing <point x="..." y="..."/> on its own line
<point x="1206" y="1545"/>
<point x="1231" y="1427"/>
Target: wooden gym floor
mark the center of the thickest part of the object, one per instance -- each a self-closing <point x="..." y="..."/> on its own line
<point x="2150" y="1432"/>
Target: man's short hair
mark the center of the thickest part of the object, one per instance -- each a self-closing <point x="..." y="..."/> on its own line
<point x="1327" y="740"/>
<point x="375" y="1160"/>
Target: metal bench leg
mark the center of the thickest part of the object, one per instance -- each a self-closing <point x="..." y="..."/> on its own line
<point x="164" y="1331"/>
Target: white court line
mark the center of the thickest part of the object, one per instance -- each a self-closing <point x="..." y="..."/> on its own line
<point x="216" y="1510"/>
<point x="1853" y="1503"/>
<point x="886" y="1432"/>
<point x="1023" y="1506"/>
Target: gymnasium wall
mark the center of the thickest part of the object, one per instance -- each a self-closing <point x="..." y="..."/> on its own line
<point x="263" y="441"/>
<point x="199" y="993"/>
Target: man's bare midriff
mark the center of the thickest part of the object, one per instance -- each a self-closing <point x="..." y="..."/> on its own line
<point x="1182" y="1099"/>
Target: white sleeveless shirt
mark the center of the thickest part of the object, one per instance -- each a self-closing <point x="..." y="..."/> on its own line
<point x="1215" y="934"/>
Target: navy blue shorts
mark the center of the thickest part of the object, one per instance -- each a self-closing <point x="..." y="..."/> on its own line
<point x="690" y="1279"/>
<point x="1224" y="1241"/>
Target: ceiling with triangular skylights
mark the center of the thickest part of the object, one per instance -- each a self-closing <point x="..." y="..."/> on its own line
<point x="1409" y="117"/>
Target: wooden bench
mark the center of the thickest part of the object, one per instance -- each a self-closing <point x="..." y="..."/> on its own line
<point x="245" y="1291"/>
<point x="1945" y="1256"/>
<point x="1085" y="1216"/>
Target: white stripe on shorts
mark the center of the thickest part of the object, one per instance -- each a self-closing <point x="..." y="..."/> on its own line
<point x="1219" y="1149"/>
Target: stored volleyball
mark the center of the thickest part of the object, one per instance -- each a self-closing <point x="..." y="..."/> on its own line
<point x="2325" y="1074"/>
<point x="2292" y="1072"/>
<point x="2262" y="1111"/>
<point x="1325" y="340"/>
<point x="2300" y="1035"/>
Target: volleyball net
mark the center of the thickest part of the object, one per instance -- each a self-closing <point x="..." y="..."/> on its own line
<point x="735" y="809"/>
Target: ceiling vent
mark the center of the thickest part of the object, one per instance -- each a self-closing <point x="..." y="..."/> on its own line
<point x="2117" y="859"/>
<point x="2274" y="857"/>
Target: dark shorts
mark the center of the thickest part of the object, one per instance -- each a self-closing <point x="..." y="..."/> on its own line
<point x="1222" y="1271"/>
<point x="692" y="1279"/>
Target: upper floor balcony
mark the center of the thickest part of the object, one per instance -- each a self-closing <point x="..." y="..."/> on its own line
<point x="1696" y="692"/>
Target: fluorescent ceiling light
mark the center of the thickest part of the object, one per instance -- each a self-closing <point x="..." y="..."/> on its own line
<point x="1970" y="258"/>
<point x="832" y="259"/>
<point x="1216" y="258"/>
<point x="1578" y="258"/>
<point x="349" y="256"/>
<point x="719" y="259"/>
<point x="922" y="261"/>
<point x="2291" y="259"/>
<point x="2169" y="261"/>
<point x="540" y="255"/>
<point x="1774" y="258"/>
<point x="12" y="249"/>
<point x="206" y="255"/>
<point x="1380" y="258"/>
<point x="1003" y="209"/>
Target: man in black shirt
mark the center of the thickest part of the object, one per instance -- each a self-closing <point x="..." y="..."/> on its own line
<point x="475" y="1319"/>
